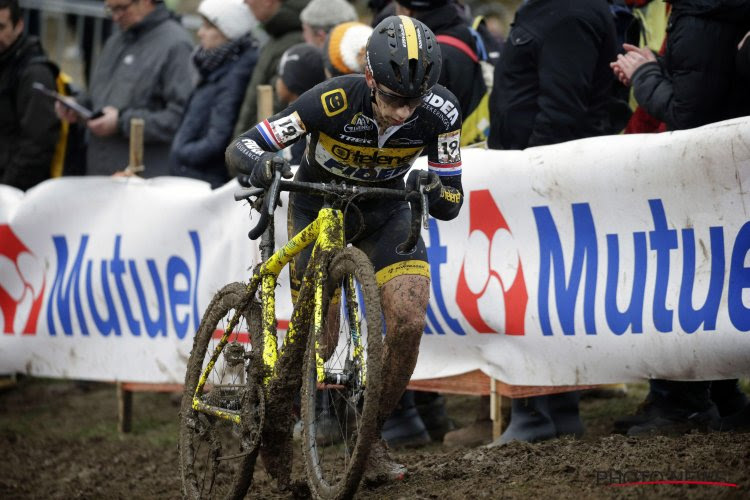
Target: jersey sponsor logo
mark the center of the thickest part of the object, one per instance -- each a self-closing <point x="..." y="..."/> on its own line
<point x="405" y="141"/>
<point x="251" y="146"/>
<point x="362" y="162"/>
<point x="334" y="102"/>
<point x="360" y="123"/>
<point x="440" y="106"/>
<point x="359" y="140"/>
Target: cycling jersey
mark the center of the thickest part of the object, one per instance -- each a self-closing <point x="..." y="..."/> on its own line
<point x="346" y="144"/>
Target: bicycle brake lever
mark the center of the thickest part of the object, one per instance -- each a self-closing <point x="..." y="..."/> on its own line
<point x="425" y="207"/>
<point x="273" y="192"/>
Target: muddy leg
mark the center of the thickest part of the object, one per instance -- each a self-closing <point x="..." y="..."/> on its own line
<point x="404" y="300"/>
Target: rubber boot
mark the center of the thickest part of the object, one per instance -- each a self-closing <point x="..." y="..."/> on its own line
<point x="677" y="408"/>
<point x="404" y="427"/>
<point x="563" y="409"/>
<point x="739" y="421"/>
<point x="530" y="421"/>
<point x="728" y="397"/>
<point x="431" y="408"/>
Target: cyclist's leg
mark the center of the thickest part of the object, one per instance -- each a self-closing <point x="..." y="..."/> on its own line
<point x="404" y="282"/>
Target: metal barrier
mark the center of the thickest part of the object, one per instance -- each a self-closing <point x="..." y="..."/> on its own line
<point x="53" y="20"/>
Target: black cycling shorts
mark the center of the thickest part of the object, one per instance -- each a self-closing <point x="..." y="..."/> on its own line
<point x="377" y="228"/>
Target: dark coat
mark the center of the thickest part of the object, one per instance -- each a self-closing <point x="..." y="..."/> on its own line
<point x="696" y="81"/>
<point x="29" y="128"/>
<point x="553" y="82"/>
<point x="207" y="127"/>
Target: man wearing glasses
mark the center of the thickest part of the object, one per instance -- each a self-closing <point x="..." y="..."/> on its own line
<point x="369" y="129"/>
<point x="143" y="71"/>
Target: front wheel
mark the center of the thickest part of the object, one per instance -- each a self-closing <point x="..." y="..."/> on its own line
<point x="339" y="412"/>
<point x="219" y="439"/>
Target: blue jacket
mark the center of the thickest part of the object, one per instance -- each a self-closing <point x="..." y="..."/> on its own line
<point x="208" y="124"/>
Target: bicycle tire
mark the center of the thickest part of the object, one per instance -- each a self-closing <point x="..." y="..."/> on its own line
<point x="217" y="456"/>
<point x="334" y="470"/>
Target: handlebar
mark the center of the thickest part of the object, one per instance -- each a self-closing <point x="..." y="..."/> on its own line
<point x="417" y="202"/>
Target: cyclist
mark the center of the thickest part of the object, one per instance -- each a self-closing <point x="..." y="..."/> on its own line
<point x="369" y="129"/>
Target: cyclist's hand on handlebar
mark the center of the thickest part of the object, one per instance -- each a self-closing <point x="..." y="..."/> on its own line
<point x="244" y="180"/>
<point x="262" y="174"/>
<point x="430" y="181"/>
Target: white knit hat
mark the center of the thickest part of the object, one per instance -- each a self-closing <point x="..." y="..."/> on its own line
<point x="232" y="17"/>
<point x="328" y="13"/>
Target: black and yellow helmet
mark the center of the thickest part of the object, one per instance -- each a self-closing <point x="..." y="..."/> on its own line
<point x="404" y="55"/>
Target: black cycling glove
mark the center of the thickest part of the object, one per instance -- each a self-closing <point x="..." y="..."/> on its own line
<point x="262" y="174"/>
<point x="431" y="182"/>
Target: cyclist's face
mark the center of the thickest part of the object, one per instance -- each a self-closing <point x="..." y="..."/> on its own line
<point x="9" y="32"/>
<point x="392" y="108"/>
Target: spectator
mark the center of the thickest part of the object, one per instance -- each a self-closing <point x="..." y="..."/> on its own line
<point x="280" y="19"/>
<point x="143" y="71"/>
<point x="695" y="83"/>
<point x="552" y="84"/>
<point x="344" y="49"/>
<point x="29" y="129"/>
<point x="300" y="69"/>
<point x="224" y="59"/>
<point x="320" y="16"/>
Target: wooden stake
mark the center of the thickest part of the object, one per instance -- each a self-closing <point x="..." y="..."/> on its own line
<point x="136" y="146"/>
<point x="124" y="408"/>
<point x="265" y="102"/>
<point x="496" y="412"/>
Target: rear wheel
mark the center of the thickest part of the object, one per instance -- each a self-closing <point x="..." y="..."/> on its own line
<point x="339" y="416"/>
<point x="217" y="454"/>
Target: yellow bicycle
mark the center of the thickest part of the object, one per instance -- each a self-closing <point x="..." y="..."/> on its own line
<point x="242" y="380"/>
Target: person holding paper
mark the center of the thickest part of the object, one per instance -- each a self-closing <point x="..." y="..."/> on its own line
<point x="29" y="129"/>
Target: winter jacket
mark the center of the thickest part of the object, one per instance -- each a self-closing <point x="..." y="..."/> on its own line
<point x="696" y="81"/>
<point x="553" y="82"/>
<point x="144" y="72"/>
<point x="208" y="124"/>
<point x="29" y="128"/>
<point x="285" y="30"/>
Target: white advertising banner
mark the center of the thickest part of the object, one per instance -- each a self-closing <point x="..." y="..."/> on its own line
<point x="600" y="260"/>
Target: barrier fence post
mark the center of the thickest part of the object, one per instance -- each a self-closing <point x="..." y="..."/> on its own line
<point x="124" y="408"/>
<point x="136" y="146"/>
<point x="496" y="413"/>
<point x="265" y="102"/>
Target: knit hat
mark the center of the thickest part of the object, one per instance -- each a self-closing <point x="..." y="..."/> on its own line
<point x="301" y="67"/>
<point x="328" y="13"/>
<point x="422" y="4"/>
<point x="232" y="17"/>
<point x="344" y="50"/>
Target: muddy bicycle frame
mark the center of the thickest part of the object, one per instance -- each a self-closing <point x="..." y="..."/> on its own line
<point x="326" y="233"/>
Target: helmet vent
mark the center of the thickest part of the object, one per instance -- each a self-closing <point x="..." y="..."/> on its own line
<point x="397" y="72"/>
<point x="427" y="72"/>
<point x="413" y="72"/>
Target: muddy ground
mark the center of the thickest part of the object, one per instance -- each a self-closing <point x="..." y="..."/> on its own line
<point x="59" y="440"/>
